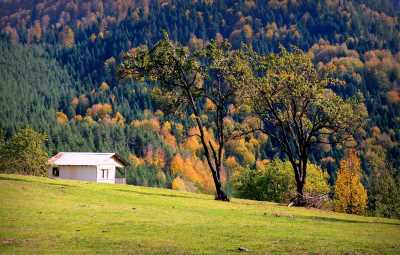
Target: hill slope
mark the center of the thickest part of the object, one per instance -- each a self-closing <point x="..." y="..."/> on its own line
<point x="39" y="215"/>
<point x="34" y="84"/>
<point x="71" y="91"/>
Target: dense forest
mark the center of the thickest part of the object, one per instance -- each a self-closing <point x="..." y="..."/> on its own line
<point x="59" y="62"/>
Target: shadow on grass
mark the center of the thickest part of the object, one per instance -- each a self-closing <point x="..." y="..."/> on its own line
<point x="4" y="178"/>
<point x="161" y="195"/>
<point x="341" y="220"/>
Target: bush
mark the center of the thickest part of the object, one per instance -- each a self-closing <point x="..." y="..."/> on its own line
<point x="275" y="182"/>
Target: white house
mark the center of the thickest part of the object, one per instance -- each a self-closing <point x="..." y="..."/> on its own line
<point x="87" y="166"/>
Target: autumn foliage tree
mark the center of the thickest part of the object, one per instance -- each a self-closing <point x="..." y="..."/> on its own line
<point x="350" y="194"/>
<point x="178" y="184"/>
<point x="68" y="37"/>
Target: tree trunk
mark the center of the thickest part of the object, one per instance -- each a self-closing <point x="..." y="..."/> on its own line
<point x="300" y="200"/>
<point x="220" y="194"/>
<point x="300" y="187"/>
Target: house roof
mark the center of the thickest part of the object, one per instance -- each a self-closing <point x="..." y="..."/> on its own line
<point x="86" y="159"/>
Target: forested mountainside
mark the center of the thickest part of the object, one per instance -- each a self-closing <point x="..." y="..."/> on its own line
<point x="59" y="61"/>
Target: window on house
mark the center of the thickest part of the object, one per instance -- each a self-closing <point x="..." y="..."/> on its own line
<point x="56" y="171"/>
<point x="104" y="173"/>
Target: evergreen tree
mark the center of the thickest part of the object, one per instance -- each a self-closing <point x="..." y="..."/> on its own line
<point x="384" y="194"/>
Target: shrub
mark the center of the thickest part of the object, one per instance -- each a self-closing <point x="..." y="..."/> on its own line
<point x="275" y="182"/>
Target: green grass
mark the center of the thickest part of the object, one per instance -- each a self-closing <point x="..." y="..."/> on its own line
<point x="39" y="216"/>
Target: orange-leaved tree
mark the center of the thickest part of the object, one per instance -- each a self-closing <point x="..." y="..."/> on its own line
<point x="350" y="194"/>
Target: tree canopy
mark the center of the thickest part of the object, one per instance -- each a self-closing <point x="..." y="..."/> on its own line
<point x="186" y="80"/>
<point x="24" y="153"/>
<point x="298" y="107"/>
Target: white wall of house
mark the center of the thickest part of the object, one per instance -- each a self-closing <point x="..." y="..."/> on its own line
<point x="106" y="173"/>
<point x="85" y="173"/>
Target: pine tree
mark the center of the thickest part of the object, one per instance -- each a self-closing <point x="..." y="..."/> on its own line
<point x="384" y="193"/>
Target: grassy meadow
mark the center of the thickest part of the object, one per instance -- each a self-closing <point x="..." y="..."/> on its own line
<point x="44" y="216"/>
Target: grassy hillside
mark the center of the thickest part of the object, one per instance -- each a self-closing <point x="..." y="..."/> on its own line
<point x="39" y="215"/>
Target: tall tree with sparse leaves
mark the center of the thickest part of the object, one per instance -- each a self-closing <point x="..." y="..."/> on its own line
<point x="185" y="80"/>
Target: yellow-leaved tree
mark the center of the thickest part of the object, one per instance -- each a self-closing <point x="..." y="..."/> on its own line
<point x="178" y="184"/>
<point x="350" y="194"/>
<point x="68" y="37"/>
